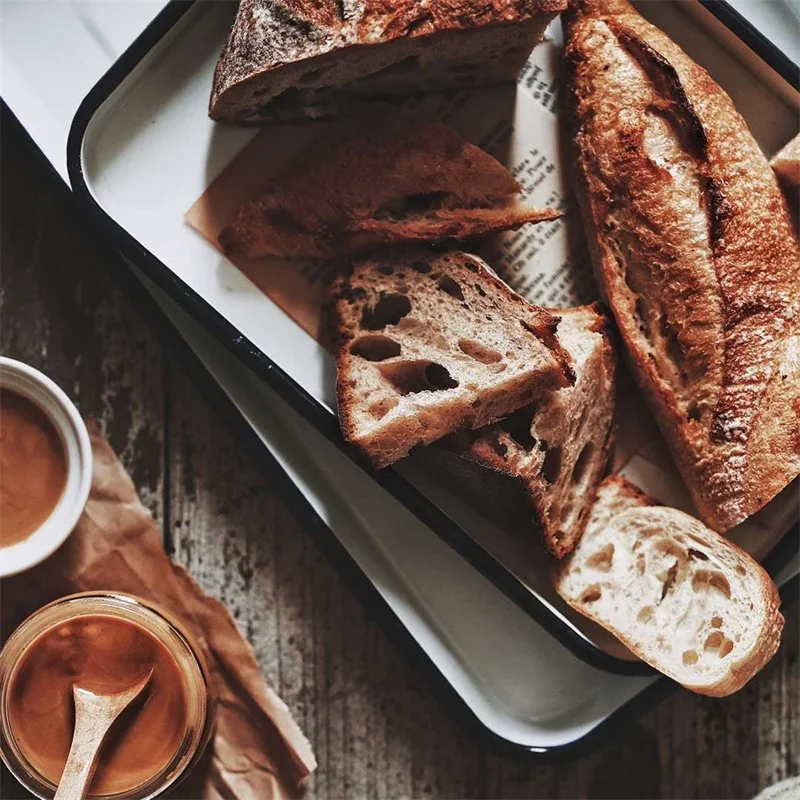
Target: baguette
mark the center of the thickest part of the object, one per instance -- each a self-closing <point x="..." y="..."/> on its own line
<point x="682" y="598"/>
<point x="396" y="178"/>
<point x="428" y="342"/>
<point x="695" y="253"/>
<point x="289" y="59"/>
<point x="554" y="451"/>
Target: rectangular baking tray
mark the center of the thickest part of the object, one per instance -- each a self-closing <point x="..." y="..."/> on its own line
<point x="142" y="149"/>
<point x="538" y="701"/>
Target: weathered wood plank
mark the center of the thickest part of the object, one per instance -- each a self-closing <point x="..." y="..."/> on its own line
<point x="375" y="724"/>
<point x="60" y="312"/>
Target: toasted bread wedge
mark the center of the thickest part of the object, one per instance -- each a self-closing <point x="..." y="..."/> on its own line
<point x="556" y="449"/>
<point x="684" y="599"/>
<point x="428" y="342"/>
<point x="395" y="179"/>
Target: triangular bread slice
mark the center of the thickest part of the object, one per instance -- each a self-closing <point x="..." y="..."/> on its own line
<point x="684" y="599"/>
<point x="427" y="342"/>
<point x="556" y="449"/>
<point x="395" y="179"/>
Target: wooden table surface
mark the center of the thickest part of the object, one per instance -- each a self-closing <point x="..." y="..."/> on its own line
<point x="374" y="722"/>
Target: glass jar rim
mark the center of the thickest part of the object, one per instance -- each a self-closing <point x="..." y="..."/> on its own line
<point x="156" y="621"/>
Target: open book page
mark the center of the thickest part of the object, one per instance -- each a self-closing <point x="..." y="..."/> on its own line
<point x="548" y="263"/>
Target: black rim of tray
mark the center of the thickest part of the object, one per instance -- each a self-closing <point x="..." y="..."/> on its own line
<point x="227" y="334"/>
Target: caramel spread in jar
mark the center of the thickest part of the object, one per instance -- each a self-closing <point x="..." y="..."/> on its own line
<point x="33" y="467"/>
<point x="103" y="654"/>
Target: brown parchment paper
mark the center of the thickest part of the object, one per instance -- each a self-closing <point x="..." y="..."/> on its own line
<point x="257" y="751"/>
<point x="294" y="285"/>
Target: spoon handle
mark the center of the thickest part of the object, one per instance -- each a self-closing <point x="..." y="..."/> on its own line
<point x="90" y="730"/>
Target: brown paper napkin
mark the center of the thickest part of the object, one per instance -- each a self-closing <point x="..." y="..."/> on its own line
<point x="258" y="752"/>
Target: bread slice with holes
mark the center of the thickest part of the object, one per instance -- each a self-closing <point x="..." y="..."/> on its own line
<point x="427" y="342"/>
<point x="683" y="598"/>
<point x="397" y="178"/>
<point x="555" y="450"/>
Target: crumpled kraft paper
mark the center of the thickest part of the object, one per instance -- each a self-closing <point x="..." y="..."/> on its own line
<point x="257" y="751"/>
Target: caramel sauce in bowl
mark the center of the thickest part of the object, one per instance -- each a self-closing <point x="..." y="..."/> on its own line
<point x="45" y="466"/>
<point x="103" y="642"/>
<point x="33" y="467"/>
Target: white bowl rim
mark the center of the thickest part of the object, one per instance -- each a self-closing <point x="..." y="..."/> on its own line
<point x="55" y="530"/>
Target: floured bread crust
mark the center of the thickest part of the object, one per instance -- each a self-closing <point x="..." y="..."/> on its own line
<point x="696" y="254"/>
<point x="286" y="59"/>
<point x="428" y="342"/>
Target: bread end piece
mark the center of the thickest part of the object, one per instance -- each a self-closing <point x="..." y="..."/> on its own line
<point x="298" y="60"/>
<point x="393" y="178"/>
<point x="684" y="599"/>
<point x="786" y="164"/>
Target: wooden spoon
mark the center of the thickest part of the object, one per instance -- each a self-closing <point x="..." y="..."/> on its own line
<point x="94" y="716"/>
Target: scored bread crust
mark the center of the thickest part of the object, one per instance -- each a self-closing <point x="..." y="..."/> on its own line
<point x="296" y="51"/>
<point x="370" y="186"/>
<point x="623" y="523"/>
<point x="427" y="342"/>
<point x="556" y="450"/>
<point x="695" y="253"/>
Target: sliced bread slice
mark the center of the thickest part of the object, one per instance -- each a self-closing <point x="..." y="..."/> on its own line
<point x="427" y="342"/>
<point x="397" y="178"/>
<point x="684" y="599"/>
<point x="556" y="449"/>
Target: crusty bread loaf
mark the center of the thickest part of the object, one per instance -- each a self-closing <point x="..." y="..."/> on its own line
<point x="682" y="598"/>
<point x="427" y="342"/>
<point x="695" y="253"/>
<point x="286" y="59"/>
<point x="390" y="179"/>
<point x="554" y="450"/>
<point x="786" y="164"/>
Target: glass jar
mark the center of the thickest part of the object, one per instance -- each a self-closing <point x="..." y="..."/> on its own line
<point x="166" y="631"/>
